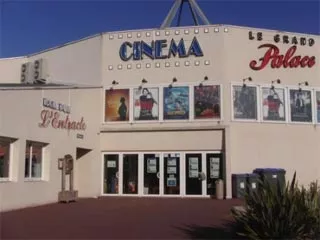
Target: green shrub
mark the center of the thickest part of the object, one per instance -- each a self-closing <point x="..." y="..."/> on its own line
<point x="280" y="213"/>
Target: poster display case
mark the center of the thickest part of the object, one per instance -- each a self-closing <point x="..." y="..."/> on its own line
<point x="300" y="105"/>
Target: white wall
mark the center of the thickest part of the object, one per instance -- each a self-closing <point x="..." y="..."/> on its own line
<point x="10" y="69"/>
<point x="20" y="118"/>
<point x="78" y="62"/>
<point x="294" y="147"/>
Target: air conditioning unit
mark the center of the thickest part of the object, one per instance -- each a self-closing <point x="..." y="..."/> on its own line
<point x="39" y="71"/>
<point x="26" y="73"/>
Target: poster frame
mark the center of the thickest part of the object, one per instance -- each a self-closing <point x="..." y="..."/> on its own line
<point x="190" y="88"/>
<point x="286" y="104"/>
<point x="312" y="107"/>
<point x="208" y="83"/>
<point x="160" y="103"/>
<point x="130" y="105"/>
<point x="258" y="108"/>
<point x="315" y="90"/>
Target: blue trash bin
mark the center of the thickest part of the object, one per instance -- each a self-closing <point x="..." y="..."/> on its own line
<point x="275" y="176"/>
<point x="239" y="185"/>
<point x="252" y="182"/>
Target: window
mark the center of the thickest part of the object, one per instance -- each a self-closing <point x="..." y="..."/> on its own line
<point x="34" y="160"/>
<point x="4" y="157"/>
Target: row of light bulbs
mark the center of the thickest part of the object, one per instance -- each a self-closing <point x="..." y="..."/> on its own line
<point x="174" y="80"/>
<point x="158" y="65"/>
<point x="167" y="33"/>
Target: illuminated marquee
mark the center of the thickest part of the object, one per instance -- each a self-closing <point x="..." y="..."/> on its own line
<point x="137" y="50"/>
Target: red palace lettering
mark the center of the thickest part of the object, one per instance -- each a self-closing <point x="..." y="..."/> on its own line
<point x="277" y="61"/>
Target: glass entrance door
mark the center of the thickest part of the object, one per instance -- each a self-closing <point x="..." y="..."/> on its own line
<point x="130" y="173"/>
<point x="214" y="171"/>
<point x="151" y="174"/>
<point x="111" y="174"/>
<point x="193" y="174"/>
<point x="171" y="174"/>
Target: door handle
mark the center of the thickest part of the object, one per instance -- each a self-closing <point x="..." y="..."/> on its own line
<point x="202" y="176"/>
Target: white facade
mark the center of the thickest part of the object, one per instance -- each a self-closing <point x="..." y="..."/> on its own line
<point x="94" y="63"/>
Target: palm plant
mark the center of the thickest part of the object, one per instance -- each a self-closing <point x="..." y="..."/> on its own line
<point x="287" y="212"/>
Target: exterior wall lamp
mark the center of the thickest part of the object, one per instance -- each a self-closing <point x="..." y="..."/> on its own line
<point x="205" y="79"/>
<point x="246" y="79"/>
<point x="114" y="82"/>
<point x="174" y="80"/>
<point x="143" y="81"/>
<point x="303" y="83"/>
<point x="278" y="81"/>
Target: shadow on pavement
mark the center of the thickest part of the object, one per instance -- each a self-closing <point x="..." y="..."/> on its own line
<point x="225" y="231"/>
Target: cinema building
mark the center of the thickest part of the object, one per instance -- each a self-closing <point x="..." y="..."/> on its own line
<point x="159" y="112"/>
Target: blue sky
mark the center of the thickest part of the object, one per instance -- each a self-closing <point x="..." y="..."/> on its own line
<point x="28" y="26"/>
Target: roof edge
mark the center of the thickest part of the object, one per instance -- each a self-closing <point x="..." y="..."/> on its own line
<point x="211" y="25"/>
<point x="65" y="44"/>
<point x="13" y="58"/>
<point x="271" y="30"/>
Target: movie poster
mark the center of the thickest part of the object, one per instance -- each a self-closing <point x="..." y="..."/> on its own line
<point x="318" y="105"/>
<point x="301" y="105"/>
<point x="273" y="104"/>
<point x="245" y="102"/>
<point x="206" y="102"/>
<point x="175" y="103"/>
<point x="146" y="106"/>
<point x="117" y="105"/>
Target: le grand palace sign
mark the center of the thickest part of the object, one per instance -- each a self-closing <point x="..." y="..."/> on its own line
<point x="277" y="59"/>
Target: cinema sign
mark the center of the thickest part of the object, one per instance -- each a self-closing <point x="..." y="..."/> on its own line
<point x="138" y="50"/>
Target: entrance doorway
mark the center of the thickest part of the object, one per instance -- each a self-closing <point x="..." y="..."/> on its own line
<point x="151" y="174"/>
<point x="191" y="174"/>
<point x="130" y="173"/>
<point x="111" y="174"/>
<point x="171" y="179"/>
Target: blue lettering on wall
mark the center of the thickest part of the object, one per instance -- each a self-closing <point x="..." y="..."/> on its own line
<point x="155" y="50"/>
<point x="180" y="49"/>
<point x="195" y="48"/>
<point x="159" y="45"/>
<point x="147" y="49"/>
<point x="123" y="51"/>
<point x="136" y="51"/>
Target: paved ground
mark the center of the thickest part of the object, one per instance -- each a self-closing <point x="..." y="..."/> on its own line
<point x="115" y="218"/>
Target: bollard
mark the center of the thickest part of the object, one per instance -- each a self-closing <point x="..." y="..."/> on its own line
<point x="219" y="189"/>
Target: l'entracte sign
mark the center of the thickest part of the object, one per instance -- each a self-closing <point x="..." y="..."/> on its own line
<point x="57" y="116"/>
